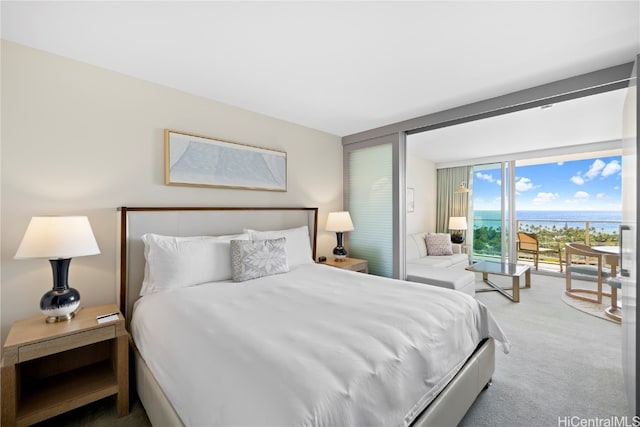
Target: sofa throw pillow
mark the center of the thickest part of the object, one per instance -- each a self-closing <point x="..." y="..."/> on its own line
<point x="438" y="244"/>
<point x="251" y="259"/>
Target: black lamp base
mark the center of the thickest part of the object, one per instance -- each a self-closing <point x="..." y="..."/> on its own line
<point x="456" y="237"/>
<point x="62" y="302"/>
<point x="60" y="305"/>
<point x="339" y="252"/>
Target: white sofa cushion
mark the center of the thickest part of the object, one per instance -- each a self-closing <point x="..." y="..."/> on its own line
<point x="456" y="261"/>
<point x="444" y="270"/>
<point x="416" y="246"/>
<point x="463" y="281"/>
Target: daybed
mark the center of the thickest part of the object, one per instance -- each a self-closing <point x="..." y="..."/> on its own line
<point x="443" y="267"/>
<point x="313" y="345"/>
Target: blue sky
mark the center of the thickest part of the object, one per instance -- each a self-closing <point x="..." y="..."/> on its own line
<point x="591" y="184"/>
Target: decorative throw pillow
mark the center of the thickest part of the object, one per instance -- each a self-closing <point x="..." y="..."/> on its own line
<point x="438" y="244"/>
<point x="251" y="259"/>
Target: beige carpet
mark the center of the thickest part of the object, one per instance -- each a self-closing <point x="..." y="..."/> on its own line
<point x="563" y="362"/>
<point x="592" y="308"/>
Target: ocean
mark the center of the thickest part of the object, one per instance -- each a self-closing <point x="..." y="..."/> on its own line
<point x="602" y="221"/>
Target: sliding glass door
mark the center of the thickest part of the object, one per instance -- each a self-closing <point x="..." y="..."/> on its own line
<point x="493" y="214"/>
<point x="629" y="237"/>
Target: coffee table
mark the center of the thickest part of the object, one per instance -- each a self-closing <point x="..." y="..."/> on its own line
<point x="515" y="271"/>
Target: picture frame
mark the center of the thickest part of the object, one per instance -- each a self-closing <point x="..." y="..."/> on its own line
<point x="411" y="205"/>
<point x="201" y="161"/>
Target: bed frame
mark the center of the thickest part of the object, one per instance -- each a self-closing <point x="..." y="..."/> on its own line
<point x="448" y="408"/>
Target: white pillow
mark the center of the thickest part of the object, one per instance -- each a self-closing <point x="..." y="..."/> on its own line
<point x="297" y="244"/>
<point x="176" y="262"/>
<point x="252" y="259"/>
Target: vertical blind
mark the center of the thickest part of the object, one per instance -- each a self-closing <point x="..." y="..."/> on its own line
<point x="371" y="207"/>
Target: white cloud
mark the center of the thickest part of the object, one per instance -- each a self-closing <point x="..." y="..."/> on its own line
<point x="580" y="198"/>
<point x="581" y="195"/>
<point x="577" y="179"/>
<point x="611" y="168"/>
<point x="524" y="184"/>
<point x="595" y="169"/>
<point x="543" y="198"/>
<point x="485" y="176"/>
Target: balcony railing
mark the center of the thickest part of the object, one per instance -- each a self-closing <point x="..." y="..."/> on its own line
<point x="551" y="233"/>
<point x="596" y="232"/>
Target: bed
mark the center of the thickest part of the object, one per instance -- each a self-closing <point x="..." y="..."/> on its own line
<point x="308" y="345"/>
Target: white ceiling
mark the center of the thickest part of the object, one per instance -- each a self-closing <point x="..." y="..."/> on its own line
<point x="589" y="120"/>
<point x="340" y="67"/>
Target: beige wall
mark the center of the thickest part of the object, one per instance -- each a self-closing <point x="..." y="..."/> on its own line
<point x="421" y="176"/>
<point x="82" y="140"/>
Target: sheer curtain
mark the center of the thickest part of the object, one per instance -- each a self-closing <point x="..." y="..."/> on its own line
<point x="450" y="203"/>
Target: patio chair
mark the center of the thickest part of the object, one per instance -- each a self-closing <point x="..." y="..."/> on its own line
<point x="614" y="311"/>
<point x="579" y="258"/>
<point x="528" y="243"/>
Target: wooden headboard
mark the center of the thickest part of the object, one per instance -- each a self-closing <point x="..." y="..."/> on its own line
<point x="194" y="221"/>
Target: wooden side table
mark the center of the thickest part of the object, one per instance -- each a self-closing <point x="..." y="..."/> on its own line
<point x="51" y="368"/>
<point x="353" y="264"/>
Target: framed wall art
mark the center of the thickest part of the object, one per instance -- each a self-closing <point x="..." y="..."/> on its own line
<point x="208" y="162"/>
<point x="411" y="204"/>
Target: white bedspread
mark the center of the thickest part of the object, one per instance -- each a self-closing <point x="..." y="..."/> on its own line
<point x="317" y="346"/>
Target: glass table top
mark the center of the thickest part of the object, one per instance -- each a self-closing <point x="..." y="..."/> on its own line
<point x="502" y="268"/>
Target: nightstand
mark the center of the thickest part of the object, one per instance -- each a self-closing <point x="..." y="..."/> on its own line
<point x="51" y="368"/>
<point x="353" y="264"/>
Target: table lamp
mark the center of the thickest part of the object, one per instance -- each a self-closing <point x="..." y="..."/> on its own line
<point x="58" y="238"/>
<point x="461" y="189"/>
<point x="457" y="224"/>
<point x="339" y="222"/>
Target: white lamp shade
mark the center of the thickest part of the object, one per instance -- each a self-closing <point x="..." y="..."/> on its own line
<point x="57" y="237"/>
<point x="461" y="189"/>
<point x="339" y="221"/>
<point x="457" y="223"/>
